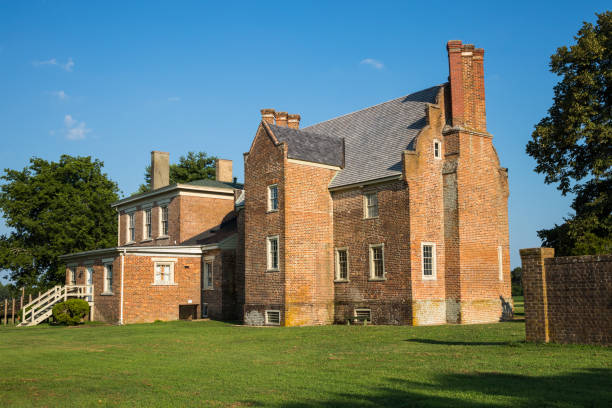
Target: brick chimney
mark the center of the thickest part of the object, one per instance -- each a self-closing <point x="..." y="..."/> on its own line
<point x="466" y="76"/>
<point x="267" y="115"/>
<point x="160" y="169"/>
<point x="281" y="119"/>
<point x="223" y="170"/>
<point x="293" y="121"/>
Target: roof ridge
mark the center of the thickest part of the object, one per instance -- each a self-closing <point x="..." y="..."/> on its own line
<point x="373" y="106"/>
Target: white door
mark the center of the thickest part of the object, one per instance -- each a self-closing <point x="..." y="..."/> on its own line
<point x="89" y="282"/>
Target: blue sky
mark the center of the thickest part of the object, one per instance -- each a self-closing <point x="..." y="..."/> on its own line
<point x="116" y="80"/>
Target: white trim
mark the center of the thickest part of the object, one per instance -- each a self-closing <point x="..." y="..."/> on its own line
<point x="172" y="190"/>
<point x="373" y="276"/>
<point x="170" y="281"/>
<point x="366" y="213"/>
<point x="500" y="259"/>
<point x="164" y="259"/>
<point x="267" y="322"/>
<point x="182" y="251"/>
<point x="206" y="195"/>
<point x="121" y="294"/>
<point x="434" y="262"/>
<point x="337" y="271"/>
<point x="268" y="257"/>
<point x="313" y="164"/>
<point x="269" y="190"/>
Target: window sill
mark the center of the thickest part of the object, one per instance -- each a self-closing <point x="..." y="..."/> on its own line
<point x="272" y="211"/>
<point x="164" y="284"/>
<point x="429" y="278"/>
<point x="107" y="294"/>
<point x="130" y="243"/>
<point x="163" y="237"/>
<point x="209" y="288"/>
<point x="377" y="279"/>
<point x="341" y="281"/>
<point x="370" y="218"/>
<point x="147" y="240"/>
<point x="273" y="270"/>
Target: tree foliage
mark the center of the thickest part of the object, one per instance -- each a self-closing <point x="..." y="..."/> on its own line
<point x="54" y="208"/>
<point x="573" y="144"/>
<point x="193" y="166"/>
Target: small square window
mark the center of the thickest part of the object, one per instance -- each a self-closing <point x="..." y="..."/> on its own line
<point x="371" y="205"/>
<point x="342" y="273"/>
<point x="273" y="317"/>
<point x="428" y="260"/>
<point x="273" y="197"/>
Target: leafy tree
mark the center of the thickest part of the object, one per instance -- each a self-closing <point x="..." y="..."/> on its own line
<point x="517" y="281"/>
<point x="194" y="166"/>
<point x="54" y="208"/>
<point x="573" y="144"/>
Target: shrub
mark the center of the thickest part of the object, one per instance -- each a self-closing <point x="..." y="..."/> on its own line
<point x="70" y="312"/>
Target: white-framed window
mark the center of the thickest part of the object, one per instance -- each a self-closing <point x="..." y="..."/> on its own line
<point x="428" y="260"/>
<point x="148" y="231"/>
<point x="363" y="314"/>
<point x="273" y="253"/>
<point x="500" y="262"/>
<point x="208" y="274"/>
<point x="72" y="274"/>
<point x="273" y="197"/>
<point x="377" y="262"/>
<point x="163" y="220"/>
<point x="273" y="317"/>
<point x="437" y="148"/>
<point x="371" y="205"/>
<point x="131" y="228"/>
<point x="163" y="272"/>
<point x="342" y="265"/>
<point x="108" y="277"/>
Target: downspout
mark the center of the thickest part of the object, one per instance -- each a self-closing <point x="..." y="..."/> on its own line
<point x="121" y="305"/>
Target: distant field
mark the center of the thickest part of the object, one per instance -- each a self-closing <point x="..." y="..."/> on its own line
<point x="221" y="365"/>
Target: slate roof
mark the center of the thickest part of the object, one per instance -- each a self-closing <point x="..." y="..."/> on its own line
<point x="375" y="137"/>
<point x="310" y="146"/>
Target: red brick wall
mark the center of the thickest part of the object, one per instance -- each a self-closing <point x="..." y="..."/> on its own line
<point x="263" y="166"/>
<point x="173" y="225"/>
<point x="567" y="299"/>
<point x="198" y="214"/>
<point x="388" y="300"/>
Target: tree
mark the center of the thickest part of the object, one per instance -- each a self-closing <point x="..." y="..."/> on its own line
<point x="194" y="166"/>
<point x="54" y="208"/>
<point x="573" y="144"/>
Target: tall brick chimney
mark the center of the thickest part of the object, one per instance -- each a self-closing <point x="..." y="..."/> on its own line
<point x="281" y="118"/>
<point x="466" y="76"/>
<point x="160" y="169"/>
<point x="223" y="170"/>
<point x="293" y="121"/>
<point x="267" y="115"/>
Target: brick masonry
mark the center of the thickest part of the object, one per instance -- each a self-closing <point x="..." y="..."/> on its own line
<point x="567" y="299"/>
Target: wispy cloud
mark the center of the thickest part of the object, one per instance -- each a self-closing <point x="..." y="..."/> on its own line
<point x="68" y="66"/>
<point x="174" y="99"/>
<point x="75" y="130"/>
<point x="61" y="95"/>
<point x="372" y="62"/>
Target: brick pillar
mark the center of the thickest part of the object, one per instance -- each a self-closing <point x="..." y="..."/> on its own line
<point x="534" y="288"/>
<point x="293" y="121"/>
<point x="281" y="118"/>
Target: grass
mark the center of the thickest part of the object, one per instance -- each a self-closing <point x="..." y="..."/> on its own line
<point x="221" y="365"/>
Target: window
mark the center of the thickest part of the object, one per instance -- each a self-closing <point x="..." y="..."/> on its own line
<point x="164" y="273"/>
<point x="363" y="315"/>
<point x="273" y="317"/>
<point x="342" y="264"/>
<point x="273" y="197"/>
<point x="377" y="262"/>
<point x="428" y="264"/>
<point x="72" y="275"/>
<point x="371" y="205"/>
<point x="500" y="263"/>
<point x="108" y="278"/>
<point x="273" y="253"/>
<point x="204" y="309"/>
<point x="437" y="149"/>
<point x="164" y="220"/>
<point x="147" y="223"/>
<point x="208" y="275"/>
<point x="131" y="229"/>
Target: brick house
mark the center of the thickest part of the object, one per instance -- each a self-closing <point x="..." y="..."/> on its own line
<point x="396" y="214"/>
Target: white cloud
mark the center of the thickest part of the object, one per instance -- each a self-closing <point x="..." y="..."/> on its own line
<point x="73" y="129"/>
<point x="53" y="62"/>
<point x="60" y="94"/>
<point x="374" y="63"/>
<point x="174" y="99"/>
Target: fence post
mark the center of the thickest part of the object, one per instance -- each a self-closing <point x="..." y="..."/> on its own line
<point x="22" y="295"/>
<point x="30" y="298"/>
<point x="13" y="317"/>
<point x="5" y="311"/>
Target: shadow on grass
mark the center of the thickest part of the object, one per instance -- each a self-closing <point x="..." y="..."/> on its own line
<point x="590" y="387"/>
<point x="461" y="343"/>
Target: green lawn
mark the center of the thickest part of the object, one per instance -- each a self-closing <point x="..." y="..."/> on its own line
<point x="218" y="364"/>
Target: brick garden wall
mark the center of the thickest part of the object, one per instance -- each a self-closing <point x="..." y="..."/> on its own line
<point x="567" y="299"/>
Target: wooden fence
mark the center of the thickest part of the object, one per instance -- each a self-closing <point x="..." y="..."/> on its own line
<point x="10" y="307"/>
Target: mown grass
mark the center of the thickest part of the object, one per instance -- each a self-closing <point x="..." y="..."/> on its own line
<point x="219" y="364"/>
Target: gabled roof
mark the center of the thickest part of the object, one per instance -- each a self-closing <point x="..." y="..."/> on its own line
<point x="375" y="137"/>
<point x="310" y="146"/>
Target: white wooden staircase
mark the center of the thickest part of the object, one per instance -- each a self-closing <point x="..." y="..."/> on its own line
<point x="41" y="308"/>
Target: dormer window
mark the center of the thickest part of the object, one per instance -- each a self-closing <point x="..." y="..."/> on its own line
<point x="437" y="147"/>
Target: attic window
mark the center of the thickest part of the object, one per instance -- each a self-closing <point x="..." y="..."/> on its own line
<point x="437" y="149"/>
